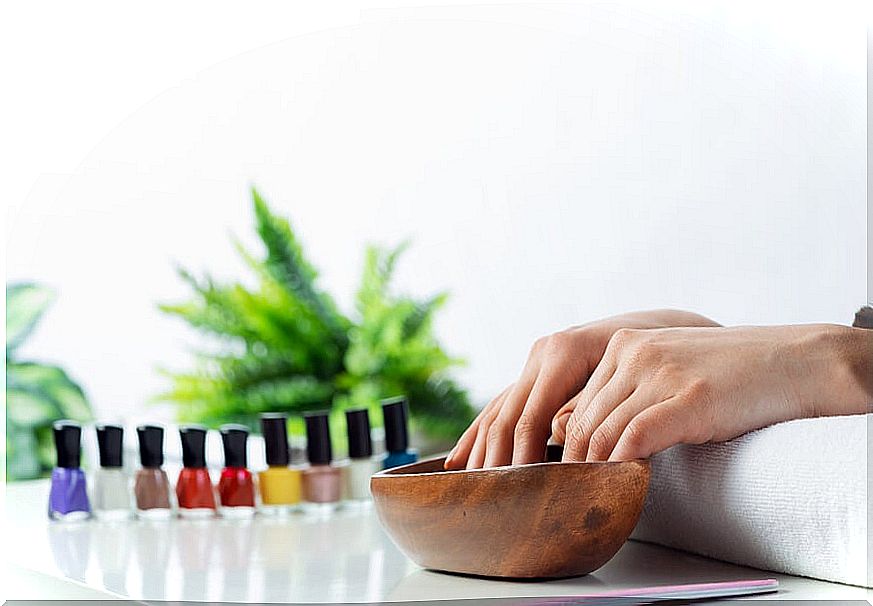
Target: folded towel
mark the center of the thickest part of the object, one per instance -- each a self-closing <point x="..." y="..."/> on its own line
<point x="790" y="498"/>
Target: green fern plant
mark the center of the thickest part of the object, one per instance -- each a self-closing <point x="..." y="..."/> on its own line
<point x="284" y="345"/>
<point x="36" y="394"/>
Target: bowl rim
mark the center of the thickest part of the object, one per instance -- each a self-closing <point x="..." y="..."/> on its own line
<point x="397" y="472"/>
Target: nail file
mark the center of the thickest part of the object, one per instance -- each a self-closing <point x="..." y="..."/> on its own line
<point x="645" y="595"/>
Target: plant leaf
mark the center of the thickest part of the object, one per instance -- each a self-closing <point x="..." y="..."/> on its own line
<point x="25" y="304"/>
<point x="30" y="409"/>
<point x="286" y="261"/>
<point x="50" y="383"/>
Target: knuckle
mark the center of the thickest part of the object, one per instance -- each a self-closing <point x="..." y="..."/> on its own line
<point x="579" y="430"/>
<point x="698" y="421"/>
<point x="573" y="430"/>
<point x="525" y="429"/>
<point x="558" y="342"/>
<point x="623" y="337"/>
<point x="624" y="346"/>
<point x="496" y="433"/>
<point x="636" y="433"/>
<point x="600" y="443"/>
<point x="539" y="346"/>
<point x="698" y="391"/>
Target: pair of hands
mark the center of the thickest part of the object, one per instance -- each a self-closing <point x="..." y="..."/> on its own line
<point x="633" y="385"/>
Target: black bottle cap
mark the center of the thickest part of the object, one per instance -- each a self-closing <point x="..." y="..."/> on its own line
<point x="394" y="414"/>
<point x="110" y="442"/>
<point x="274" y="426"/>
<point x="151" y="445"/>
<point x="233" y="438"/>
<point x="358" y="428"/>
<point x="68" y="443"/>
<point x="318" y="439"/>
<point x="193" y="445"/>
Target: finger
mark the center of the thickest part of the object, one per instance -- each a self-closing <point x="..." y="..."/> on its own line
<point x="457" y="458"/>
<point x="654" y="429"/>
<point x="592" y="414"/>
<point x="575" y="442"/>
<point x="498" y="438"/>
<point x="562" y="417"/>
<point x="606" y="434"/>
<point x="533" y="425"/>
<point x="477" y="451"/>
<point x="559" y="422"/>
<point x="480" y="444"/>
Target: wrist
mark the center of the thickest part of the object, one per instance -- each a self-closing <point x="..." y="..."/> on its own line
<point x="845" y="370"/>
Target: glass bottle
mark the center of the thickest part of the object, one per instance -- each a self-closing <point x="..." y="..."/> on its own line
<point x="111" y="483"/>
<point x="322" y="481"/>
<point x="279" y="484"/>
<point x="194" y="492"/>
<point x="68" y="495"/>
<point x="396" y="417"/>
<point x="361" y="464"/>
<point x="151" y="486"/>
<point x="236" y="489"/>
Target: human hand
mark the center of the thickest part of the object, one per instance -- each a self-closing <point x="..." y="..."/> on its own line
<point x="656" y="388"/>
<point x="515" y="426"/>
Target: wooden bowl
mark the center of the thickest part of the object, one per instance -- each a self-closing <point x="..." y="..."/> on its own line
<point x="544" y="520"/>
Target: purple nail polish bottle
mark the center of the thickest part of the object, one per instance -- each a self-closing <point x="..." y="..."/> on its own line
<point x="68" y="498"/>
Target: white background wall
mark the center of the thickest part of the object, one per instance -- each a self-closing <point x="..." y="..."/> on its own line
<point x="552" y="164"/>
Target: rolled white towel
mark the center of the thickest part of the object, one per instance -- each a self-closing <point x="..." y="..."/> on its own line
<point x="790" y="498"/>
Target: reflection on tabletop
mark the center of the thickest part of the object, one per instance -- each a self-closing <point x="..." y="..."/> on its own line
<point x="341" y="557"/>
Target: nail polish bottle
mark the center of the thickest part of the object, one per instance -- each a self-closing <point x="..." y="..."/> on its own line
<point x="395" y="415"/>
<point x="111" y="483"/>
<point x="322" y="482"/>
<point x="361" y="465"/>
<point x="151" y="486"/>
<point x="236" y="489"/>
<point x="68" y="496"/>
<point x="279" y="484"/>
<point x="194" y="491"/>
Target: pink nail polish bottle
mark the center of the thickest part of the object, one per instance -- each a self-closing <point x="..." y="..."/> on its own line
<point x="322" y="481"/>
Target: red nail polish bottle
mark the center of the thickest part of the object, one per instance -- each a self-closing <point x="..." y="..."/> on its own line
<point x="236" y="489"/>
<point x="194" y="488"/>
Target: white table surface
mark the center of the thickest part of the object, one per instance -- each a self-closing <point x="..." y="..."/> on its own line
<point x="345" y="557"/>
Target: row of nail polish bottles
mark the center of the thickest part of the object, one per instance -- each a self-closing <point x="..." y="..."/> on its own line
<point x="322" y="483"/>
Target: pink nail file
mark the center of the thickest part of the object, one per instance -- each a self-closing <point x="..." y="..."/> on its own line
<point x="645" y="595"/>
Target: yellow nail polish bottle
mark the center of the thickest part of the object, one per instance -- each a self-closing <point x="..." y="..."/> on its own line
<point x="280" y="485"/>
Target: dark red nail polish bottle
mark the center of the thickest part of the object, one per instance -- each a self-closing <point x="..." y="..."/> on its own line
<point x="194" y="488"/>
<point x="236" y="489"/>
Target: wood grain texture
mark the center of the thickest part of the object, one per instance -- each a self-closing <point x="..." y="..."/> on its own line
<point x="545" y="520"/>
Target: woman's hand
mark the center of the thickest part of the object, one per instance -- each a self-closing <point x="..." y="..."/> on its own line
<point x="515" y="426"/>
<point x="656" y="388"/>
